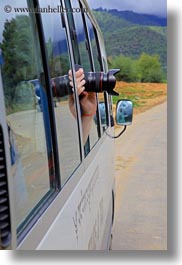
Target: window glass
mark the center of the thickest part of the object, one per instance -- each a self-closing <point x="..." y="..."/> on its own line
<point x="85" y="61"/>
<point x="95" y="51"/>
<point x="59" y="65"/>
<point x="27" y="116"/>
<point x="97" y="66"/>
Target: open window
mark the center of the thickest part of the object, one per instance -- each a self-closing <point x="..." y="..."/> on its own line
<point x="58" y="62"/>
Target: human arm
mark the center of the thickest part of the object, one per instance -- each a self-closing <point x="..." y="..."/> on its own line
<point x="88" y="102"/>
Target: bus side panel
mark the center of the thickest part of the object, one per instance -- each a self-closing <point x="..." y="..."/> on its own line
<point x="11" y="242"/>
<point x="82" y="224"/>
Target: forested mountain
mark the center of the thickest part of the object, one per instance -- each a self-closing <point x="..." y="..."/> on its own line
<point x="133" y="35"/>
<point x="130" y="47"/>
<point x="139" y="19"/>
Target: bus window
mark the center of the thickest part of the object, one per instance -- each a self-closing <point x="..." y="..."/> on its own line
<point x="95" y="52"/>
<point x="27" y="118"/>
<point x="98" y="67"/>
<point x="86" y="63"/>
<point x="59" y="65"/>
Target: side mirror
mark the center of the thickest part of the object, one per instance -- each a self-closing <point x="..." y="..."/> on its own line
<point x="124" y="112"/>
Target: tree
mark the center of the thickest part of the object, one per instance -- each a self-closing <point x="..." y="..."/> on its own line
<point x="19" y="59"/>
<point x="25" y="55"/>
<point x="149" y="68"/>
<point x="8" y="47"/>
<point x="127" y="68"/>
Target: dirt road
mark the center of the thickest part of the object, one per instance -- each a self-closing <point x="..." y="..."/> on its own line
<point x="141" y="183"/>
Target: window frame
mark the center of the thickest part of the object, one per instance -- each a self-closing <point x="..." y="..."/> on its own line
<point x="101" y="62"/>
<point x="54" y="170"/>
<point x="90" y="51"/>
<point x="74" y="44"/>
<point x="48" y="90"/>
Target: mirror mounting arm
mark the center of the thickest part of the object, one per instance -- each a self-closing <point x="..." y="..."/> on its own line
<point x="115" y="137"/>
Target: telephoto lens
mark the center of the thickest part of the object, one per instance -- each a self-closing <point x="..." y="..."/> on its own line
<point x="100" y="82"/>
<point x="95" y="82"/>
<point x="61" y="86"/>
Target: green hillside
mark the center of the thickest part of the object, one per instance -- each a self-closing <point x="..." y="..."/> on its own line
<point x="106" y="20"/>
<point x="130" y="39"/>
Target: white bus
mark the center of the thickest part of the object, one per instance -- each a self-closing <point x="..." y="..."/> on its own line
<point x="56" y="193"/>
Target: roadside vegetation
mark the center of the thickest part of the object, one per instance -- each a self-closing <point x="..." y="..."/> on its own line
<point x="143" y="95"/>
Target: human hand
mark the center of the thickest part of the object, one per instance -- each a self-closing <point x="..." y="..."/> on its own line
<point x="87" y="100"/>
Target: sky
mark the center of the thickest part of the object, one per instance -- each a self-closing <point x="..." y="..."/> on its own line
<point x="156" y="7"/>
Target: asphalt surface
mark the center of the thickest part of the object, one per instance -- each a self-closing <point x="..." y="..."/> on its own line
<point x="141" y="183"/>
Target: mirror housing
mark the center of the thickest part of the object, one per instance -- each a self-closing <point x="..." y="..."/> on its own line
<point x="124" y="112"/>
<point x="103" y="116"/>
<point x="102" y="111"/>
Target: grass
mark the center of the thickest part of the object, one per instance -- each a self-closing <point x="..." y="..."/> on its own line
<point x="143" y="95"/>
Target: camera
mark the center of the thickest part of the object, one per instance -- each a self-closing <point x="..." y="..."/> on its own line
<point x="95" y="82"/>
